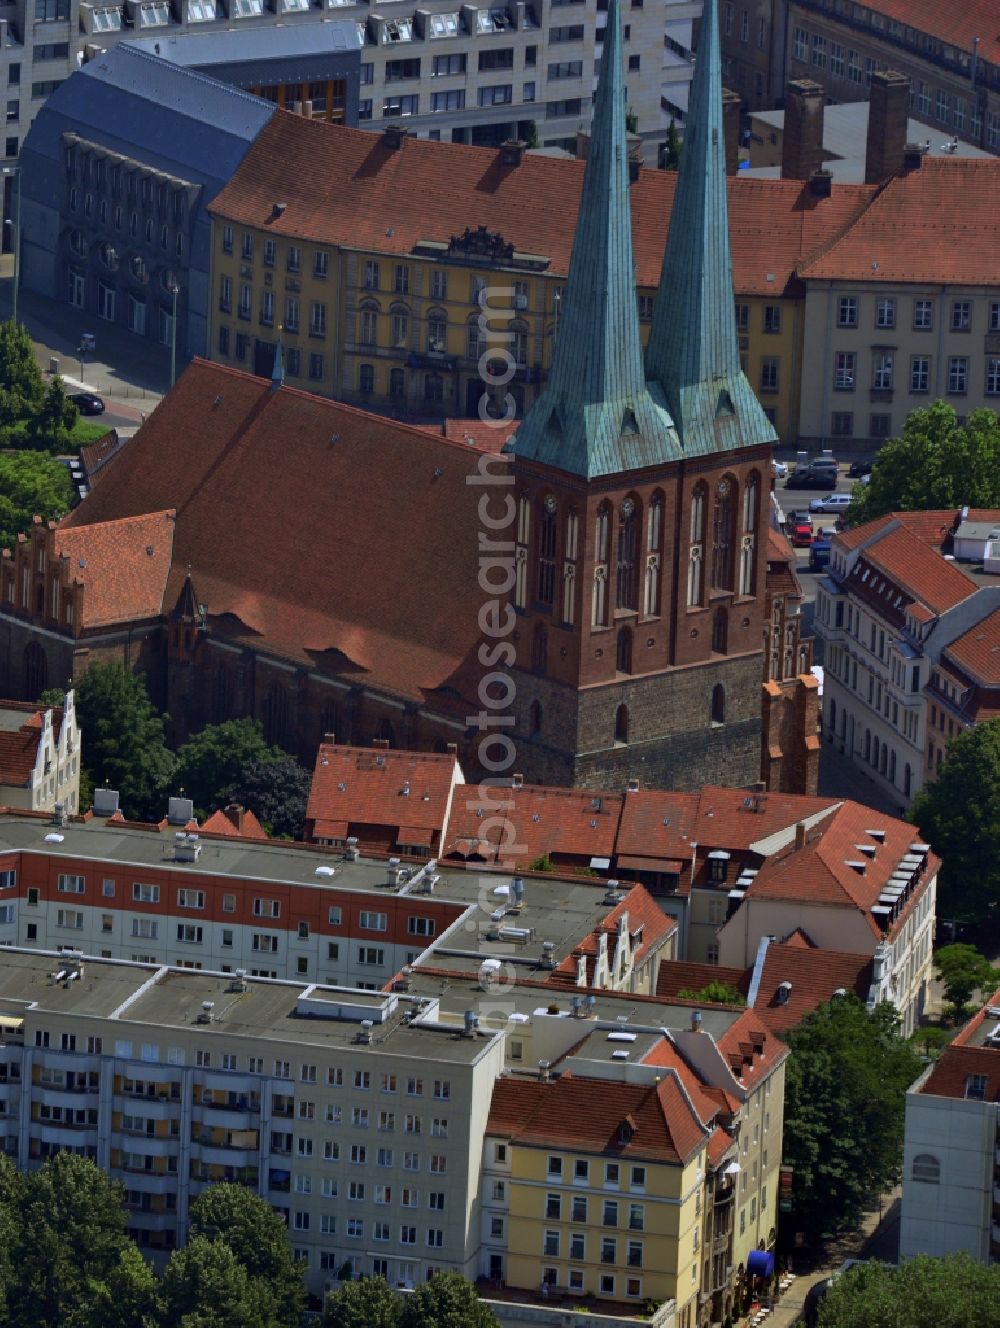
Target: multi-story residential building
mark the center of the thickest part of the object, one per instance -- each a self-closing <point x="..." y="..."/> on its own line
<point x="386" y="315"/>
<point x="753" y="41"/>
<point x="39" y="756"/>
<point x="117" y="172"/>
<point x="622" y="1173"/>
<point x="951" y="56"/>
<point x="362" y="1116"/>
<point x="951" y="1150"/>
<point x="904" y="630"/>
<point x="855" y="882"/>
<point x="896" y="317"/>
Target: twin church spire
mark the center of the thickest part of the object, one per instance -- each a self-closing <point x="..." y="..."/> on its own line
<point x="604" y="411"/>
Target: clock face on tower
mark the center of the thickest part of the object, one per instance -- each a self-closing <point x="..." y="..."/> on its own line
<point x="550" y="503"/>
<point x="627" y="508"/>
<point x="724" y="489"/>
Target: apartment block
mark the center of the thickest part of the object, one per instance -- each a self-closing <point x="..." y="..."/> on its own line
<point x="951" y="1150"/>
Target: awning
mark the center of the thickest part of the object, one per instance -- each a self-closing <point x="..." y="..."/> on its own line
<point x="414" y="834"/>
<point x="670" y="865"/>
<point x="760" y="1263"/>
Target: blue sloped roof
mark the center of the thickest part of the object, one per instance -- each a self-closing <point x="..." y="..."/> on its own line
<point x="137" y="104"/>
<point x="196" y="50"/>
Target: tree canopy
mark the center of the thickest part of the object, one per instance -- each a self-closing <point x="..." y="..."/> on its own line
<point x="22" y="388"/>
<point x="123" y="738"/>
<point x="30" y="485"/>
<point x="367" y="1303"/>
<point x="50" y="427"/>
<point x="934" y="463"/>
<point x="215" y="759"/>
<point x="845" y="1088"/>
<point x="446" y="1300"/>
<point x="958" y="813"/>
<point x="964" y="970"/>
<point x="276" y="792"/>
<point x="714" y="993"/>
<point x="954" y="1292"/>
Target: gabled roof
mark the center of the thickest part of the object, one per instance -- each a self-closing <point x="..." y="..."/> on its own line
<point x="935" y="225"/>
<point x="977" y="651"/>
<point x="751" y="1050"/>
<point x="346" y="187"/>
<point x="900" y="569"/>
<point x="235" y="823"/>
<point x="536" y="820"/>
<point x="275" y="559"/>
<point x="572" y="1112"/>
<point x="407" y="792"/>
<point x="19" y="741"/>
<point x="648" y="928"/>
<point x="122" y="566"/>
<point x="815" y="975"/>
<point x="972" y="1052"/>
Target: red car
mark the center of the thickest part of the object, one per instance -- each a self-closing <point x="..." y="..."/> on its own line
<point x="800" y="532"/>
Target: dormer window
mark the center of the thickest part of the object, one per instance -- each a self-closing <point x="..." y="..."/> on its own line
<point x="975" y="1087"/>
<point x="626" y="1132"/>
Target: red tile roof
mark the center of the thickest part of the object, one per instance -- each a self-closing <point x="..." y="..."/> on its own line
<point x="572" y="1112"/>
<point x="935" y="225"/>
<point x="345" y="187"/>
<point x="96" y="457"/>
<point x="752" y="1051"/>
<point x="537" y="820"/>
<point x="816" y="975"/>
<point x="231" y="453"/>
<point x="818" y="872"/>
<point x="648" y="927"/>
<point x="955" y="25"/>
<point x="408" y="793"/>
<point x="953" y="1068"/>
<point x="482" y="434"/>
<point x="677" y="975"/>
<point x="899" y="564"/>
<point x="235" y="823"/>
<point x="122" y="565"/>
<point x="977" y="651"/>
<point x="18" y="753"/>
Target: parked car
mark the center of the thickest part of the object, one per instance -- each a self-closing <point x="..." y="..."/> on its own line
<point x="780" y="469"/>
<point x="859" y="468"/>
<point x="833" y="502"/>
<point x="88" y="403"/>
<point x="811" y="477"/>
<point x="800" y="531"/>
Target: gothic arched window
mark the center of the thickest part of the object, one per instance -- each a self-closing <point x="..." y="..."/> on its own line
<point x="723" y="515"/>
<point x="720" y="631"/>
<point x="36" y="671"/>
<point x="275" y="713"/>
<point x="547" y="529"/>
<point x="626" y="571"/>
<point x="696" y="553"/>
<point x="621" y="724"/>
<point x="718" y="704"/>
<point x="623" y="660"/>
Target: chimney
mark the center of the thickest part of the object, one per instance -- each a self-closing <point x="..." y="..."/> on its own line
<point x="512" y="151"/>
<point x="802" y="142"/>
<point x="821" y="183"/>
<point x="278" y="210"/>
<point x="888" y="110"/>
<point x="732" y="107"/>
<point x="913" y="155"/>
<point x="393" y="135"/>
<point x="800" y="834"/>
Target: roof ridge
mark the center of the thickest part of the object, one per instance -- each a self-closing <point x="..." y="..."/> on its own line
<point x="135" y="53"/>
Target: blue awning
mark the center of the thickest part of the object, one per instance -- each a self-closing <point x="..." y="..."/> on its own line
<point x="760" y="1263"/>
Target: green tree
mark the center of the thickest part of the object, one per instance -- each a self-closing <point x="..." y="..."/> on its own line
<point x="954" y="1292"/>
<point x="259" y="1241"/>
<point x="715" y="993"/>
<point x="276" y="792"/>
<point x="30" y="486"/>
<point x="22" y="388"/>
<point x="934" y="463"/>
<point x="368" y="1303"/>
<point x="51" y="426"/>
<point x="963" y="970"/>
<point x="670" y="152"/>
<point x="959" y="815"/>
<point x="215" y="759"/>
<point x="127" y="1297"/>
<point x="206" y="1286"/>
<point x="71" y="1251"/>
<point x="447" y="1300"/>
<point x="845" y="1088"/>
<point x="52" y="696"/>
<point x="531" y="135"/>
<point x="123" y="739"/>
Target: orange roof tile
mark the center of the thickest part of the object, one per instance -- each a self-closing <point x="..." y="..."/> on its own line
<point x="956" y="25"/>
<point x="96" y="457"/>
<point x="915" y="568"/>
<point x="345" y="187"/>
<point x="759" y="1050"/>
<point x="677" y="975"/>
<point x="815" y="976"/>
<point x="537" y="820"/>
<point x="235" y="823"/>
<point x="954" y="1066"/>
<point x="585" y="1115"/>
<point x="357" y="787"/>
<point x="648" y="926"/>
<point x="247" y="527"/>
<point x="937" y="225"/>
<point x="122" y="565"/>
<point x="977" y="651"/>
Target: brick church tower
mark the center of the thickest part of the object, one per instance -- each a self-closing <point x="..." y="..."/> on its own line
<point x="642" y="489"/>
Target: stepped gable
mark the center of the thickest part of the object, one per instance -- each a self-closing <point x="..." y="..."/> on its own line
<point x="280" y="497"/>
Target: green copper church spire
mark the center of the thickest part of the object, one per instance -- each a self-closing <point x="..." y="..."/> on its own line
<point x="596" y="415"/>
<point x="693" y="352"/>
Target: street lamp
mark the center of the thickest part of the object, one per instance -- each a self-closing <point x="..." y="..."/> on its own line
<point x="15" y="171"/>
<point x="173" y="286"/>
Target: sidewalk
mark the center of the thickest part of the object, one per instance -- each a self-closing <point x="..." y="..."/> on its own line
<point x="877" y="1239"/>
<point x="132" y="374"/>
